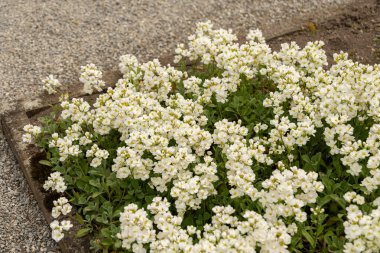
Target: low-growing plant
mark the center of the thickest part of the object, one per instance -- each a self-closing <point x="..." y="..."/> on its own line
<point x="247" y="150"/>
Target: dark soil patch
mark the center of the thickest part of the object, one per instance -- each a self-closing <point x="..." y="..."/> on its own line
<point x="40" y="172"/>
<point x="49" y="198"/>
<point x="357" y="32"/>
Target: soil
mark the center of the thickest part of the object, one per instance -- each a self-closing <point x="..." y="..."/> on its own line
<point x="357" y="32"/>
<point x="40" y="172"/>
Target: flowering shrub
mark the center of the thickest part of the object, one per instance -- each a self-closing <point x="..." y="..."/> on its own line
<point x="51" y="84"/>
<point x="249" y="150"/>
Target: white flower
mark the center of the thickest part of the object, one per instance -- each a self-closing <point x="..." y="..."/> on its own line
<point x="99" y="154"/>
<point x="57" y="235"/>
<point x="66" y="225"/>
<point x="55" y="182"/>
<point x="31" y="133"/>
<point x="135" y="227"/>
<point x="55" y="212"/>
<point x="128" y="63"/>
<point x="362" y="230"/>
<point x="91" y="78"/>
<point x="61" y="206"/>
<point x="50" y="84"/>
<point x="57" y="229"/>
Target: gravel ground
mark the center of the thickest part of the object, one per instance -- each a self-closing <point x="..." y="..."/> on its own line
<point x="38" y="38"/>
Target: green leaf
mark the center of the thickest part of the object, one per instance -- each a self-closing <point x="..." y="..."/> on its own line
<point x="149" y="199"/>
<point x="187" y="221"/>
<point x="46" y="163"/>
<point x="95" y="172"/>
<point x="309" y="238"/>
<point x="92" y="206"/>
<point x="82" y="200"/>
<point x="117" y="244"/>
<point x="332" y="220"/>
<point x="108" y="207"/>
<point x="338" y="200"/>
<point x="306" y="158"/>
<point x="320" y="230"/>
<point x="206" y="216"/>
<point x="106" y="232"/>
<point x="96" y="194"/>
<point x="316" y="158"/>
<point x="79" y="218"/>
<point x="81" y="185"/>
<point x="323" y="201"/>
<point x="95" y="183"/>
<point x="336" y="163"/>
<point x="82" y="232"/>
<point x="135" y="184"/>
<point x="327" y="182"/>
<point x="102" y="220"/>
<point x="107" y="242"/>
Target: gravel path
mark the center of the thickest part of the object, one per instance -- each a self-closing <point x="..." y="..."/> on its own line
<point x="39" y="37"/>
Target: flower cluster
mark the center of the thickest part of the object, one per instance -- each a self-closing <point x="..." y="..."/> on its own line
<point x="136" y="228"/>
<point x="55" y="182"/>
<point x="58" y="228"/>
<point x="353" y="197"/>
<point x="128" y="65"/>
<point x="61" y="206"/>
<point x="91" y="78"/>
<point x="230" y="136"/>
<point x="362" y="230"/>
<point x="77" y="110"/>
<point x="98" y="154"/>
<point x="225" y="233"/>
<point x="50" y="84"/>
<point x="190" y="190"/>
<point x="287" y="191"/>
<point x="31" y="133"/>
<point x="171" y="133"/>
<point x="66" y="146"/>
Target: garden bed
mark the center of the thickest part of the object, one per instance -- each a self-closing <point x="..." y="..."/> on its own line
<point x="357" y="32"/>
